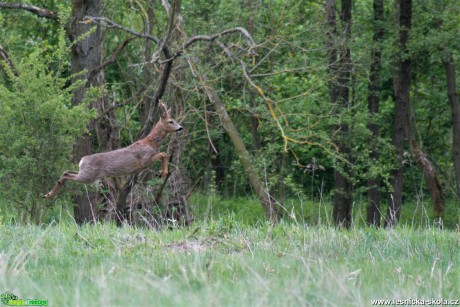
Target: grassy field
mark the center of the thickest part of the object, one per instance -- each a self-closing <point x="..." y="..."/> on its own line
<point x="222" y="263"/>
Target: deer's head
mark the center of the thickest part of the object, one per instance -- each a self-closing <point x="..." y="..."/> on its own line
<point x="169" y="124"/>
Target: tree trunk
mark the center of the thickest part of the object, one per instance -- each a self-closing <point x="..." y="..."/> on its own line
<point x="374" y="87"/>
<point x="86" y="55"/>
<point x="431" y="178"/>
<point x="267" y="202"/>
<point x="339" y="65"/>
<point x="401" y="128"/>
<point x="449" y="68"/>
<point x="455" y="108"/>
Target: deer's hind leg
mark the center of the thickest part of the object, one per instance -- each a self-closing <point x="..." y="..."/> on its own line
<point x="68" y="175"/>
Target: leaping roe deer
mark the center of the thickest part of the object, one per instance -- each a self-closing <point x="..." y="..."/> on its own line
<point x="124" y="161"/>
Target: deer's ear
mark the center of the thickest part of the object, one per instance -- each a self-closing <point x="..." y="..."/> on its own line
<point x="164" y="110"/>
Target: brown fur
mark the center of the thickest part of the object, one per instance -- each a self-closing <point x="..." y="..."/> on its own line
<point x="124" y="161"/>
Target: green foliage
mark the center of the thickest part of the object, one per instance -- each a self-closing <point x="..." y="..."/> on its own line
<point x="38" y="129"/>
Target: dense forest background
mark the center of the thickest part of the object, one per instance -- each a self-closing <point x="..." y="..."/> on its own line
<point x="347" y="107"/>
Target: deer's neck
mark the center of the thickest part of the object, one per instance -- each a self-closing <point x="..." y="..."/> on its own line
<point x="155" y="136"/>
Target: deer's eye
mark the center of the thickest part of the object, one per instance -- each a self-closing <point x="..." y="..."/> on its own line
<point x="171" y="122"/>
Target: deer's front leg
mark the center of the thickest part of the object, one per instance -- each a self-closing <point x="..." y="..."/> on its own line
<point x="164" y="163"/>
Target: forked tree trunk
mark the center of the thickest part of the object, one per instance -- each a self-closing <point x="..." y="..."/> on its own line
<point x="374" y="87"/>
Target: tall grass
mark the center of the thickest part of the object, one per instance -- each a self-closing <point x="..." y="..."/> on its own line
<point x="417" y="213"/>
<point x="225" y="263"/>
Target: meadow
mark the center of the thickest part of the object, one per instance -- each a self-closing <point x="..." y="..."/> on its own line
<point x="224" y="262"/>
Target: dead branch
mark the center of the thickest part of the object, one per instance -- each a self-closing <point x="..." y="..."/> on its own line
<point x="121" y="104"/>
<point x="189" y="192"/>
<point x="214" y="37"/>
<point x="172" y="12"/>
<point x="107" y="23"/>
<point x="5" y="57"/>
<point x="113" y="58"/>
<point x="158" y="93"/>
<point x="163" y="48"/>
<point x="104" y="22"/>
<point x="41" y="12"/>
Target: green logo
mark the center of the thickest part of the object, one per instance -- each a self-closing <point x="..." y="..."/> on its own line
<point x="10" y="299"/>
<point x="6" y="297"/>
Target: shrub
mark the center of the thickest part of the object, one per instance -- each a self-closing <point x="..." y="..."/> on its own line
<point x="37" y="131"/>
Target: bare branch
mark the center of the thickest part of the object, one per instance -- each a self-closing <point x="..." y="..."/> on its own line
<point x="104" y="22"/>
<point x="5" y="57"/>
<point x="107" y="23"/>
<point x="114" y="56"/>
<point x="41" y="12"/>
<point x="158" y="93"/>
<point x="161" y="87"/>
<point x="172" y="12"/>
<point x="166" y="6"/>
<point x="163" y="48"/>
<point x="212" y="38"/>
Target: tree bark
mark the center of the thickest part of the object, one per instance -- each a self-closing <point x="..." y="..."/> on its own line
<point x="374" y="86"/>
<point x="339" y="65"/>
<point x="431" y="178"/>
<point x="455" y="109"/>
<point x="451" y="86"/>
<point x="6" y="58"/>
<point x="39" y="11"/>
<point x="401" y="127"/>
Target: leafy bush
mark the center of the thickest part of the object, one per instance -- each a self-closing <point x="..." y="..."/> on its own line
<point x="37" y="131"/>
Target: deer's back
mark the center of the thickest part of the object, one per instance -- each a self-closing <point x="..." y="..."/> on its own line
<point x="119" y="162"/>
